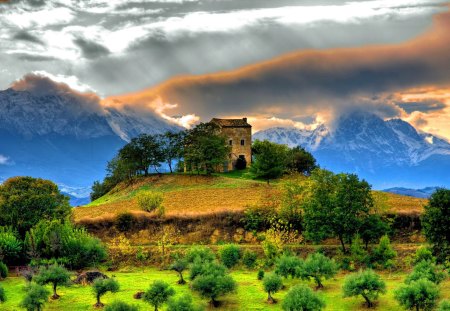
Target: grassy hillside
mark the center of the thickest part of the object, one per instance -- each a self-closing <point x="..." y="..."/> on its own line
<point x="186" y="195"/>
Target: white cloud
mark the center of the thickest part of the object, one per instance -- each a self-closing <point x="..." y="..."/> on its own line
<point x="48" y="16"/>
<point x="72" y="81"/>
<point x="4" y="160"/>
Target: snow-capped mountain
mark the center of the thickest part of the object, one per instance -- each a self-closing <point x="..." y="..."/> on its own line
<point x="387" y="153"/>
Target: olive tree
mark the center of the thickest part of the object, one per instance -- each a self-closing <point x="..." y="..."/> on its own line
<point x="318" y="267"/>
<point x="288" y="265"/>
<point x="121" y="306"/>
<point x="35" y="298"/>
<point x="272" y="283"/>
<point x="179" y="266"/>
<point x="419" y="295"/>
<point x="367" y="283"/>
<point x="101" y="287"/>
<point x="158" y="294"/>
<point x="301" y="297"/>
<point x="55" y="275"/>
<point x="183" y="303"/>
<point x="427" y="270"/>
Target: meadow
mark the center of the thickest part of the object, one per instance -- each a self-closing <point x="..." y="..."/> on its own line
<point x="248" y="296"/>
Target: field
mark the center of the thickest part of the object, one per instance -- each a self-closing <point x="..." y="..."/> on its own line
<point x="249" y="294"/>
<point x="186" y="195"/>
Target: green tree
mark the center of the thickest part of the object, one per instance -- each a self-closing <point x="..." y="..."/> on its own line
<point x="358" y="254"/>
<point x="180" y="265"/>
<point x="444" y="305"/>
<point x="24" y="201"/>
<point x="367" y="283"/>
<point x="288" y="266"/>
<point x="2" y="295"/>
<point x="301" y="161"/>
<point x="172" y="147"/>
<point x="269" y="160"/>
<point x="183" y="303"/>
<point x="419" y="295"/>
<point x="384" y="254"/>
<point x="372" y="229"/>
<point x="318" y="267"/>
<point x="423" y="254"/>
<point x="55" y="275"/>
<point x="158" y="294"/>
<point x="101" y="286"/>
<point x="35" y="298"/>
<point x="426" y="270"/>
<point x="249" y="259"/>
<point x="436" y="225"/>
<point x="301" y="297"/>
<point x="230" y="255"/>
<point x="202" y="254"/>
<point x="272" y="283"/>
<point x="121" y="306"/>
<point x="10" y="245"/>
<point x="150" y="201"/>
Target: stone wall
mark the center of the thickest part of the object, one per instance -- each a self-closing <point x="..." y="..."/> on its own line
<point x="236" y="134"/>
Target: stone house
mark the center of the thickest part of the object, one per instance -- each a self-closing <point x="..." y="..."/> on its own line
<point x="239" y="134"/>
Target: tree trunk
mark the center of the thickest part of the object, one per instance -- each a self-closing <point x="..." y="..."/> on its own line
<point x="170" y="166"/>
<point x="319" y="283"/>
<point x="181" y="280"/>
<point x="270" y="298"/>
<point x="55" y="295"/>
<point x="342" y="245"/>
<point x="369" y="303"/>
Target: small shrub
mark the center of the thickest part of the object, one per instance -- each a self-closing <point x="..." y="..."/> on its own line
<point x="35" y="298"/>
<point x="418" y="295"/>
<point x="444" y="305"/>
<point x="383" y="255"/>
<point x="301" y="297"/>
<point x="318" y="267"/>
<point x="423" y="254"/>
<point x="101" y="286"/>
<point x="426" y="270"/>
<point x="367" y="283"/>
<point x="249" y="259"/>
<point x="272" y="283"/>
<point x="260" y="275"/>
<point x="158" y="294"/>
<point x="121" y="306"/>
<point x="200" y="253"/>
<point x="55" y="275"/>
<point x="230" y="255"/>
<point x="124" y="222"/>
<point x="2" y="294"/>
<point x="183" y="303"/>
<point x="288" y="266"/>
<point x="149" y="201"/>
<point x="3" y="271"/>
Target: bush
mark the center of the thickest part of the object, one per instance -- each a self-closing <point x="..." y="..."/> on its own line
<point x="272" y="283"/>
<point x="230" y="255"/>
<point x="260" y="275"/>
<point x="383" y="255"/>
<point x="124" y="222"/>
<point x="419" y="295"/>
<point x="249" y="259"/>
<point x="158" y="294"/>
<point x="101" y="286"/>
<point x="2" y="294"/>
<point x="200" y="253"/>
<point x="121" y="306"/>
<point x="426" y="270"/>
<point x="55" y="275"/>
<point x="358" y="254"/>
<point x="367" y="283"/>
<point x="10" y="245"/>
<point x="184" y="303"/>
<point x="444" y="305"/>
<point x="36" y="296"/>
<point x="150" y="201"/>
<point x="258" y="218"/>
<point x="318" y="267"/>
<point x="301" y="297"/>
<point x="288" y="265"/>
<point x="423" y="254"/>
<point x="3" y="271"/>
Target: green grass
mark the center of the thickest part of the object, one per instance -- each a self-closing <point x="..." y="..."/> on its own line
<point x="249" y="295"/>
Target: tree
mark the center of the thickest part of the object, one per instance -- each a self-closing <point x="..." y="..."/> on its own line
<point x="2" y="295"/>
<point x="35" y="298"/>
<point x="269" y="160"/>
<point x="372" y="229"/>
<point x="383" y="255"/>
<point x="55" y="275"/>
<point x="202" y="254"/>
<point x="121" y="306"/>
<point x="301" y="161"/>
<point x="150" y="201"/>
<point x="24" y="201"/>
<point x="158" y="294"/>
<point x="426" y="270"/>
<point x="184" y="303"/>
<point x="419" y="295"/>
<point x="444" y="305"/>
<point x="318" y="267"/>
<point x="423" y="254"/>
<point x="172" y="147"/>
<point x="10" y="245"/>
<point x="436" y="225"/>
<point x="249" y="259"/>
<point x="101" y="287"/>
<point x="288" y="265"/>
<point x="230" y="255"/>
<point x="180" y="265"/>
<point x="367" y="283"/>
<point x="301" y="297"/>
<point x="272" y="283"/>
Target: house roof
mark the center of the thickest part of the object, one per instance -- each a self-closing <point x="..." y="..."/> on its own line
<point x="231" y="122"/>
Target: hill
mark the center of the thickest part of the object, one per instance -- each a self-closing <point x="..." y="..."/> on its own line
<point x="186" y="195"/>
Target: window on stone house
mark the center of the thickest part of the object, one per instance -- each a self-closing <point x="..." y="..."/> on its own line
<point x="242" y="142"/>
<point x="230" y="142"/>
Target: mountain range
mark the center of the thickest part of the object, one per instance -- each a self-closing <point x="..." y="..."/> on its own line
<point x="386" y="153"/>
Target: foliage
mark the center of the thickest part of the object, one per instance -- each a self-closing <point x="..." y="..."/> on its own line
<point x="124" y="222"/>
<point x="423" y="254"/>
<point x="180" y="265"/>
<point x="101" y="286"/>
<point x="260" y="275"/>
<point x="288" y="265"/>
<point x="35" y="298"/>
<point x="249" y="259"/>
<point x="119" y="249"/>
<point x="150" y="201"/>
<point x="444" y="305"/>
<point x="384" y="254"/>
<point x="367" y="283"/>
<point x="98" y="190"/>
<point x="301" y="297"/>
<point x="258" y="218"/>
<point x="426" y="270"/>
<point x="230" y="255"/>
<point x="272" y="283"/>
<point x="199" y="268"/>
<point x="301" y="161"/>
<point x="372" y="229"/>
<point x="10" y="245"/>
<point x="172" y="147"/>
<point x="291" y="205"/>
<point x="358" y="254"/>
<point x="202" y="254"/>
<point x="183" y="303"/>
<point x="436" y="225"/>
<point x="318" y="267"/>
<point x="158" y="294"/>
<point x="420" y="295"/>
<point x="269" y="159"/>
<point x="24" y="201"/>
<point x="55" y="275"/>
<point x="121" y="306"/>
<point x="3" y="271"/>
<point x="2" y="295"/>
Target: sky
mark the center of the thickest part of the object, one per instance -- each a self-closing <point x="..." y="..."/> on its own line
<point x="280" y="63"/>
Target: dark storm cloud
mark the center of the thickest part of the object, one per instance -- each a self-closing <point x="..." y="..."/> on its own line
<point x="26" y="36"/>
<point x="423" y="106"/>
<point x="91" y="49"/>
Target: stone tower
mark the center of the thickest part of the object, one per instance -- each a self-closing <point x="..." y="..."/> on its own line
<point x="239" y="137"/>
